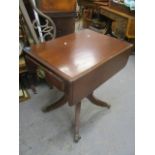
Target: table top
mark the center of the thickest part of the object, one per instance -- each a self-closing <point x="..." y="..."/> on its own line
<point x="76" y="54"/>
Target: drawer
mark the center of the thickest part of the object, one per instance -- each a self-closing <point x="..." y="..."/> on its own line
<point x="51" y="78"/>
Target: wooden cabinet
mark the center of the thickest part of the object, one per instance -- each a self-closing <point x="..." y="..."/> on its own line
<point x="58" y="5"/>
<point x="123" y="23"/>
<point x="123" y="20"/>
<point x="65" y="22"/>
<point x="130" y="31"/>
<point x="62" y="12"/>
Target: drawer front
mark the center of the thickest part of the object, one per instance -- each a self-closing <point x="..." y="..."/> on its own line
<point x="51" y="78"/>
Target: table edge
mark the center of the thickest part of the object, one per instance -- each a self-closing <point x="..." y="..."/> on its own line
<point x="69" y="78"/>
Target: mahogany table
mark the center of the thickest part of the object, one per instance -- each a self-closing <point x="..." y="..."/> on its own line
<point x="77" y="64"/>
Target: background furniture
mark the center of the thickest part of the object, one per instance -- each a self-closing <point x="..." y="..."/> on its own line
<point x="123" y="23"/>
<point x="64" y="21"/>
<point x="23" y="40"/>
<point x="77" y="64"/>
<point x="57" y="5"/>
<point x="40" y="25"/>
<point x="122" y="19"/>
<point x="62" y="12"/>
<point x="32" y="31"/>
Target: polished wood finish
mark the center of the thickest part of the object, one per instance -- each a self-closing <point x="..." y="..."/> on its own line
<point x="94" y="78"/>
<point x="57" y="5"/>
<point x="67" y="55"/>
<point x="98" y="102"/>
<point x="79" y="58"/>
<point x="78" y="63"/>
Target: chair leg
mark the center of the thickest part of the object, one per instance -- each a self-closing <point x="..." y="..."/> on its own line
<point x="77" y="122"/>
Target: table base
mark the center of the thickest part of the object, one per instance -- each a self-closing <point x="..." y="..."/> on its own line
<point x="63" y="100"/>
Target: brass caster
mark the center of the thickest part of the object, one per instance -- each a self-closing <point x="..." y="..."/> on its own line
<point x="77" y="138"/>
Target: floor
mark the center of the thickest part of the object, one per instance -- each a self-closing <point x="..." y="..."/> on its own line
<point x="103" y="131"/>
